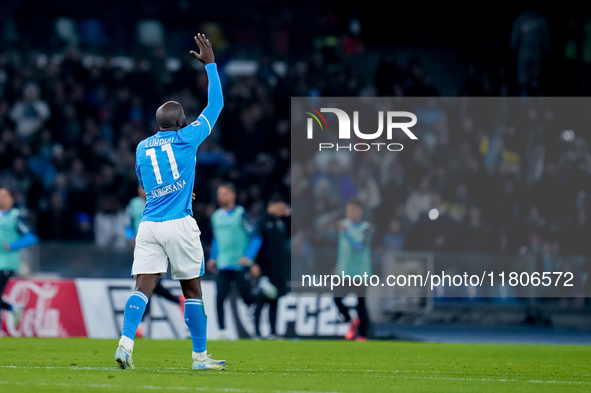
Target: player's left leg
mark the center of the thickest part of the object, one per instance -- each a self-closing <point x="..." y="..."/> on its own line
<point x="196" y="320"/>
<point x="149" y="263"/>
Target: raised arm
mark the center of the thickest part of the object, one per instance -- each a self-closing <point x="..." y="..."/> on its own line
<point x="215" y="98"/>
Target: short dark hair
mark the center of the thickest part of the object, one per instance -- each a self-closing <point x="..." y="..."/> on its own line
<point x="357" y="202"/>
<point x="229" y="186"/>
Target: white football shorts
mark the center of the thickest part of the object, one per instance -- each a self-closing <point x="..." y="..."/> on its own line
<point x="176" y="241"/>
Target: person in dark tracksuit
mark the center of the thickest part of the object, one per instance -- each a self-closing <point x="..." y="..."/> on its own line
<point x="274" y="261"/>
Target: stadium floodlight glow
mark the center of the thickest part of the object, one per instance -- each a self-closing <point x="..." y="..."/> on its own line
<point x="568" y="135"/>
<point x="433" y="214"/>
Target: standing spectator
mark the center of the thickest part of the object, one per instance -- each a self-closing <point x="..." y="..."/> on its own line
<point x="530" y="39"/>
<point x="30" y="113"/>
<point x="393" y="240"/>
<point x="476" y="232"/>
<point x="109" y="223"/>
<point x="367" y="189"/>
<point x="419" y="201"/>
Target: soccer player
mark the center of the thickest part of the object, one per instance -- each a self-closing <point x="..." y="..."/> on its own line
<point x="354" y="258"/>
<point x="234" y="248"/>
<point x="165" y="167"/>
<point x="15" y="234"/>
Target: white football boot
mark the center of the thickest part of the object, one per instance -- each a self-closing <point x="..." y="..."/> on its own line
<point x="205" y="362"/>
<point x="124" y="358"/>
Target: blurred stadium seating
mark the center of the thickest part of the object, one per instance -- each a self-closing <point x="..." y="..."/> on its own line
<point x="78" y="93"/>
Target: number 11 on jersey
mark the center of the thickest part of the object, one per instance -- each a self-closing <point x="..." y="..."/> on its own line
<point x="173" y="166"/>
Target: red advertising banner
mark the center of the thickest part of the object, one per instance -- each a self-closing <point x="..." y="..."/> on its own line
<point x="51" y="308"/>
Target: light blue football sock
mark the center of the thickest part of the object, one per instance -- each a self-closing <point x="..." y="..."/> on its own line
<point x="134" y="310"/>
<point x="196" y="320"/>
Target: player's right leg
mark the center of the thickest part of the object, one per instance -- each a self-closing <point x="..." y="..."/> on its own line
<point x="149" y="262"/>
<point x="134" y="311"/>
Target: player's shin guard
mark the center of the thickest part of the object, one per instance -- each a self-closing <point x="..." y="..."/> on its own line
<point x="196" y="320"/>
<point x="134" y="310"/>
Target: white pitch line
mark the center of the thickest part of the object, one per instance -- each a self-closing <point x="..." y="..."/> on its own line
<point x="396" y="372"/>
<point x="481" y="379"/>
<point x="82" y="368"/>
<point x="181" y="388"/>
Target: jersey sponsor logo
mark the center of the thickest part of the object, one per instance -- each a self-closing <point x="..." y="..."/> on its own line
<point x="169" y="189"/>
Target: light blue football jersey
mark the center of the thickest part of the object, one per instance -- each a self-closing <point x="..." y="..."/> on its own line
<point x="165" y="162"/>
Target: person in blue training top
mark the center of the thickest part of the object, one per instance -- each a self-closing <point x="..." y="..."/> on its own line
<point x="234" y="248"/>
<point x="165" y="167"/>
<point x="15" y="234"/>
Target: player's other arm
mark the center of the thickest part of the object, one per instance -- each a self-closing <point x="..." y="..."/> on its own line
<point x="213" y="254"/>
<point x="255" y="240"/>
<point x="215" y="98"/>
<point x="27" y="239"/>
<point x="129" y="229"/>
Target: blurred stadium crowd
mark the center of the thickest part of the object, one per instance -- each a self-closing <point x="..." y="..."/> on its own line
<point x="69" y="128"/>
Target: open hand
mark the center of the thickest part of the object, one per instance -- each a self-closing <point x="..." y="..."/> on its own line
<point x="205" y="54"/>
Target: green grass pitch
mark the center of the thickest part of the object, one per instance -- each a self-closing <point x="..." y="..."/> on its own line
<point x="87" y="365"/>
